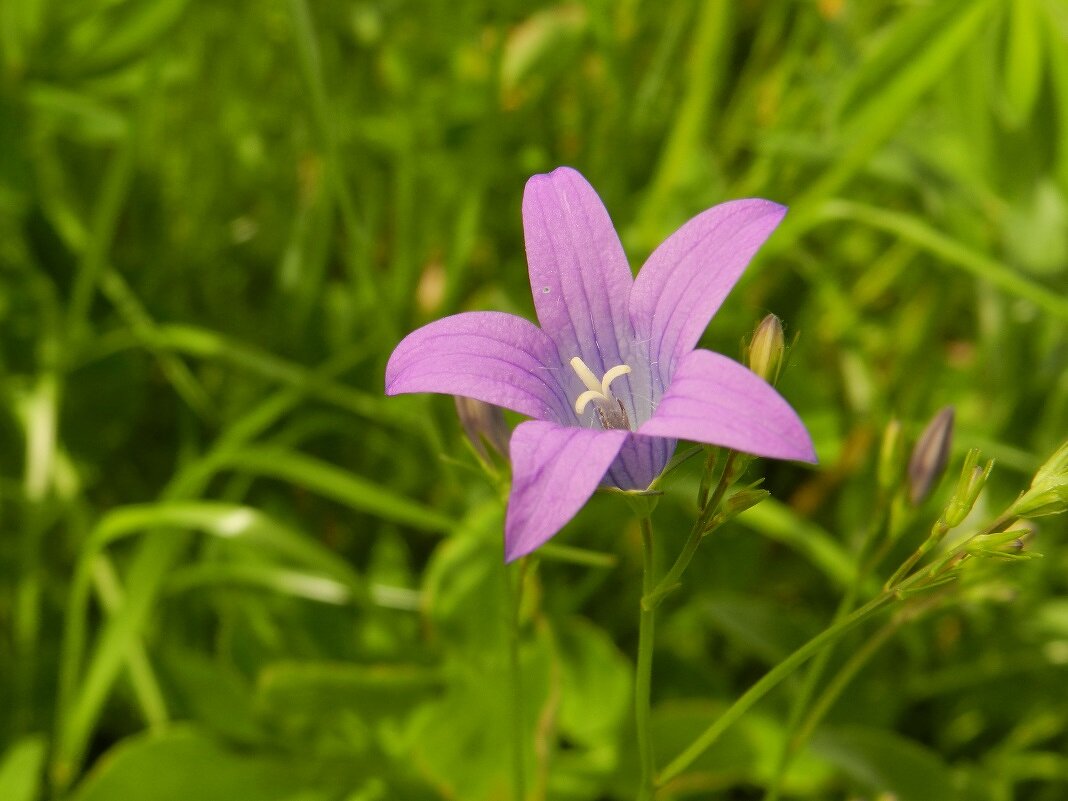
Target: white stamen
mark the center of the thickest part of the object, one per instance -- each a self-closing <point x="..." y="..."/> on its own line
<point x="586" y="374"/>
<point x="610" y="376"/>
<point x="596" y="391"/>
<point x="583" y="400"/>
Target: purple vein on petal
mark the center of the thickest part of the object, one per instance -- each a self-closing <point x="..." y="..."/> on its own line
<point x="573" y="250"/>
<point x="555" y="470"/>
<point x="688" y="276"/>
<point x="491" y="356"/>
<point x="714" y="399"/>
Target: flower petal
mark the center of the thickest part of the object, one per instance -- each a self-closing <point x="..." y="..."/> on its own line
<point x="714" y="399"/>
<point x="490" y="356"/>
<point x="555" y="470"/>
<point x="640" y="460"/>
<point x="578" y="272"/>
<point x="686" y="278"/>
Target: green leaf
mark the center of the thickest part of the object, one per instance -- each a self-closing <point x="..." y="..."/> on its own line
<point x="746" y="757"/>
<point x="1023" y="60"/>
<point x="543" y="39"/>
<point x="170" y="521"/>
<point x="757" y="625"/>
<point x="340" y="485"/>
<point x="911" y="229"/>
<point x="463" y="743"/>
<point x="313" y="698"/>
<point x="884" y="762"/>
<point x="185" y="764"/>
<point x="212" y="694"/>
<point x="597" y="681"/>
<point x="911" y="33"/>
<point x="463" y="585"/>
<point x="122" y="33"/>
<point x="20" y="769"/>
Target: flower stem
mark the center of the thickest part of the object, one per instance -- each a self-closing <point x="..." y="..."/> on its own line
<point x="652" y="597"/>
<point x="644" y="675"/>
<point x="865" y="563"/>
<point x="777" y="674"/>
<point x="515" y="590"/>
<point x="939" y="531"/>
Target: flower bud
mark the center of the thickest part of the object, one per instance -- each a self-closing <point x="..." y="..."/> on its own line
<point x="743" y="500"/>
<point x="1001" y="545"/>
<point x="891" y="456"/>
<point x="972" y="480"/>
<point x="737" y="503"/>
<point x="1048" y="494"/>
<point x="929" y="456"/>
<point x="484" y="426"/>
<point x="766" y="349"/>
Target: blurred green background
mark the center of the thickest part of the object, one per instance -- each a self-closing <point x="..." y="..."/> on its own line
<point x="231" y="569"/>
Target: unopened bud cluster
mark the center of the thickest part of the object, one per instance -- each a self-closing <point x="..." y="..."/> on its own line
<point x="971" y="482"/>
<point x="1048" y="493"/>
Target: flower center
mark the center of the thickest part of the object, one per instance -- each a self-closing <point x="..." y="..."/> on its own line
<point x="609" y="408"/>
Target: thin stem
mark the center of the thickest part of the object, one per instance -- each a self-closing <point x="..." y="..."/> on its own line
<point x="801" y="704"/>
<point x="146" y="689"/>
<point x="518" y="740"/>
<point x="706" y="475"/>
<point x="815" y="671"/>
<point x="776" y="675"/>
<point x="836" y="686"/>
<point x="841" y="680"/>
<point x="671" y="580"/>
<point x="644" y="676"/>
<point x="938" y="532"/>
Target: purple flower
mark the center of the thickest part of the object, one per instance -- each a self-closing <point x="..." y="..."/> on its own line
<point x="611" y="377"/>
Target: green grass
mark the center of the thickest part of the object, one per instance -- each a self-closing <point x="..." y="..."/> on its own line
<point x="231" y="568"/>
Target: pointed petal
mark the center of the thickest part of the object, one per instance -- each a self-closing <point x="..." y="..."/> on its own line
<point x="578" y="272"/>
<point x="687" y="277"/>
<point x="490" y="356"/>
<point x="555" y="470"/>
<point x="714" y="399"/>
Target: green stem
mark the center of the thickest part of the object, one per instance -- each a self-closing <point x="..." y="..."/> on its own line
<point x="801" y="704"/>
<point x="840" y="681"/>
<point x="938" y="532"/>
<point x="643" y="678"/>
<point x="706" y="475"/>
<point x="865" y="564"/>
<point x="143" y="679"/>
<point x="776" y="675"/>
<point x="518" y="745"/>
<point x="670" y="581"/>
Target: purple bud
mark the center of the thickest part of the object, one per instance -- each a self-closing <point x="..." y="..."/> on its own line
<point x="484" y="426"/>
<point x="930" y="455"/>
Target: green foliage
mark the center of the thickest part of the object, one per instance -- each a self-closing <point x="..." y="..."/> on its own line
<point x="230" y="568"/>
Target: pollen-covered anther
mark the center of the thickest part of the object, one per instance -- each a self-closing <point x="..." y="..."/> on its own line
<point x="610" y="409"/>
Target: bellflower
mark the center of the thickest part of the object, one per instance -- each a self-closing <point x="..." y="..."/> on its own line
<point x="611" y="377"/>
